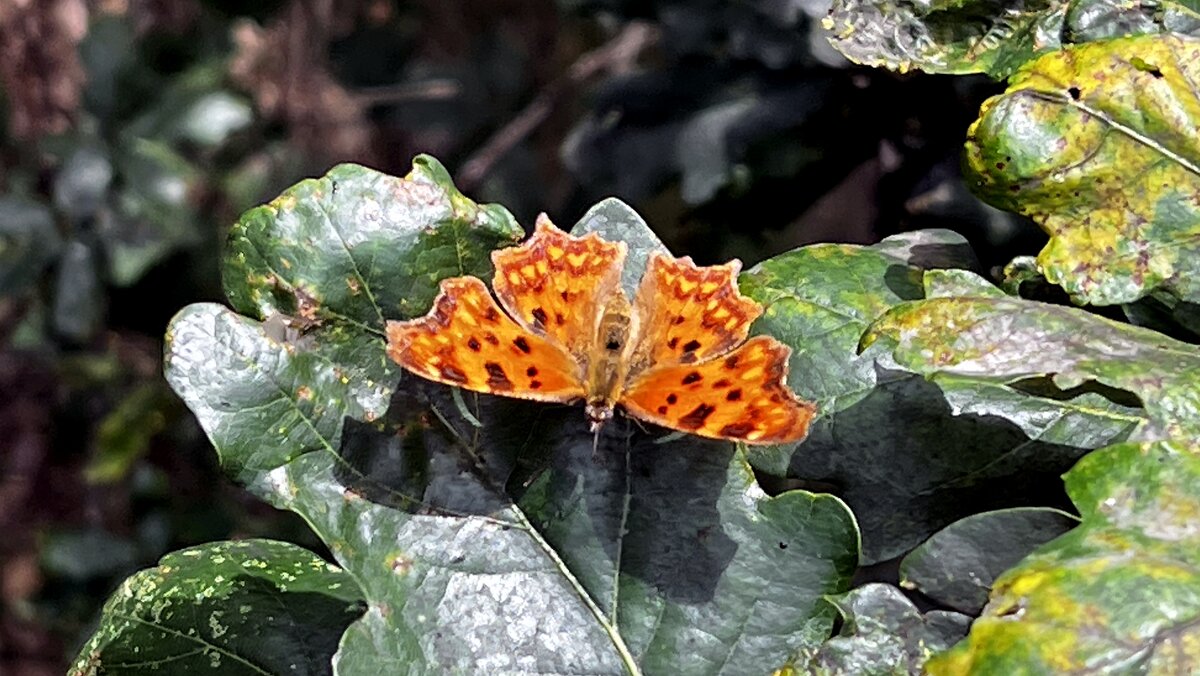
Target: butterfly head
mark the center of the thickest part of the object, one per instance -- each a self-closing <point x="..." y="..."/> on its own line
<point x="598" y="411"/>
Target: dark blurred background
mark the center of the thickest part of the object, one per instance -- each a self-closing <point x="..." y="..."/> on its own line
<point x="133" y="133"/>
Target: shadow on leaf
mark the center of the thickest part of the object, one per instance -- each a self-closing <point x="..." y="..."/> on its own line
<point x="646" y="501"/>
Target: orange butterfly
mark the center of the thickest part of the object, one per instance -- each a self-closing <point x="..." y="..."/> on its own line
<point x="677" y="356"/>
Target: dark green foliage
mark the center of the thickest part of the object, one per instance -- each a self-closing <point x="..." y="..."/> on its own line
<point x="924" y="526"/>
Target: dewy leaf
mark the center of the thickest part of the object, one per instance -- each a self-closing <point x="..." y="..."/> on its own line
<point x="1099" y="144"/>
<point x="1120" y="593"/>
<point x="357" y="247"/>
<point x="643" y="555"/>
<point x="882" y="633"/>
<point x="506" y="545"/>
<point x="1089" y="20"/>
<point x="266" y="401"/>
<point x="949" y="283"/>
<point x="910" y="455"/>
<point x="956" y="567"/>
<point x="249" y="607"/>
<point x="983" y="36"/>
<point x="614" y="220"/>
<point x="1010" y="338"/>
<point x="327" y="263"/>
<point x="968" y="36"/>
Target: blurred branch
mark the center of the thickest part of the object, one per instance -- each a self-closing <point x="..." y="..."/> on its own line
<point x="429" y="90"/>
<point x="40" y="71"/>
<point x="618" y="55"/>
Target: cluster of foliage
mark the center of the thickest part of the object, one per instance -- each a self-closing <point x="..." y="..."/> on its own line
<point x="472" y="533"/>
<point x="133" y="133"/>
<point x="468" y="538"/>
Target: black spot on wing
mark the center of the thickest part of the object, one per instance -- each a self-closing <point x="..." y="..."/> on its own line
<point x="737" y="430"/>
<point x="497" y="378"/>
<point x="453" y="373"/>
<point x="696" y="417"/>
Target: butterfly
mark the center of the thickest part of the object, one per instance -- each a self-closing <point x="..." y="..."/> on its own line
<point x="565" y="331"/>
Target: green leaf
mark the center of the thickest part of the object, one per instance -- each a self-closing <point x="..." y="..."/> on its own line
<point x="78" y="306"/>
<point x="194" y="107"/>
<point x="151" y="214"/>
<point x="944" y="447"/>
<point x="956" y="567"/>
<point x="1120" y="593"/>
<point x="980" y="36"/>
<point x="1093" y="143"/>
<point x="487" y="533"/>
<point x="949" y="283"/>
<point x="249" y="607"/>
<point x="29" y="241"/>
<point x="641" y="555"/>
<point x="882" y="633"/>
<point x="967" y="36"/>
<point x="81" y="554"/>
<point x="123" y="436"/>
<point x="359" y="247"/>
<point x="344" y="253"/>
<point x="1008" y="339"/>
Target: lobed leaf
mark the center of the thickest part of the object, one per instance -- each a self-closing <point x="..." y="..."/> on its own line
<point x="882" y="633"/>
<point x="1009" y="339"/>
<point x="1099" y="144"/>
<point x="984" y="36"/>
<point x="247" y="607"/>
<point x="486" y="533"/>
<point x="1118" y="594"/>
<point x="909" y="454"/>
<point x="358" y="247"/>
<point x="957" y="566"/>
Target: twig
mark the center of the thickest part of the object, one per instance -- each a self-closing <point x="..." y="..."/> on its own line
<point x="618" y="55"/>
<point x="429" y="90"/>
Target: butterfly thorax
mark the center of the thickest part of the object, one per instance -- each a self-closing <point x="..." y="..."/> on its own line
<point x="608" y="363"/>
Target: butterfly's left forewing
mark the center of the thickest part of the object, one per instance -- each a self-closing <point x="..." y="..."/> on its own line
<point x="468" y="341"/>
<point x="555" y="284"/>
